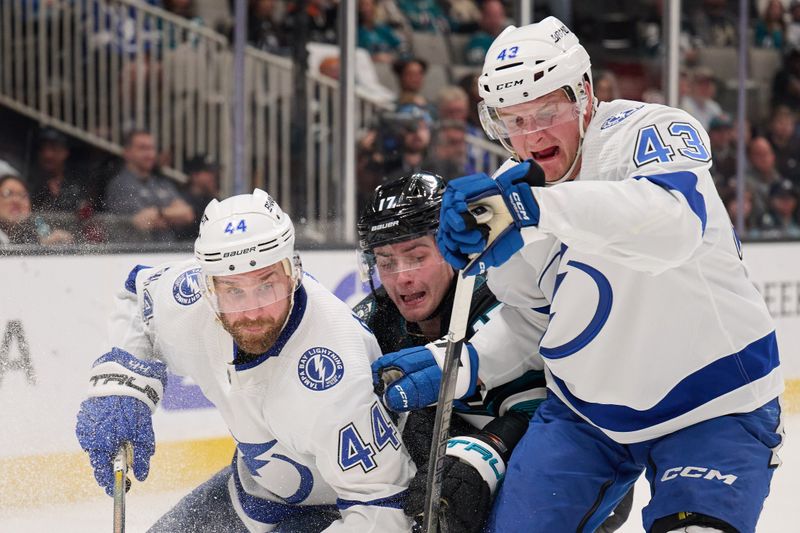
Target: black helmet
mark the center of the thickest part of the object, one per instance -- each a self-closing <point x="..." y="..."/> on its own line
<point x="401" y="209"/>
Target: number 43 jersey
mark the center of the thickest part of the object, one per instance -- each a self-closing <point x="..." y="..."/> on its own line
<point x="654" y="324"/>
<point x="308" y="427"/>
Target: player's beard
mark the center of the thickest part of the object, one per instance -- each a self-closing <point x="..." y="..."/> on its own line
<point x="255" y="343"/>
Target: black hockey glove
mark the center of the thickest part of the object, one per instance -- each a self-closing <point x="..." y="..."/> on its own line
<point x="418" y="433"/>
<point x="466" y="499"/>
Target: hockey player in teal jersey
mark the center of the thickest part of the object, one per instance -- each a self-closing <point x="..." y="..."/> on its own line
<point x="409" y="314"/>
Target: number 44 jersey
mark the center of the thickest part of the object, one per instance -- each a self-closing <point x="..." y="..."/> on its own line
<point x="654" y="324"/>
<point x="308" y="427"/>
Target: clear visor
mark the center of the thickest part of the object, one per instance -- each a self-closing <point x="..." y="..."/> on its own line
<point x="523" y="119"/>
<point x="392" y="258"/>
<point x="252" y="290"/>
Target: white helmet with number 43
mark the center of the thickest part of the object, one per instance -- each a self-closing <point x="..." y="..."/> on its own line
<point x="527" y="63"/>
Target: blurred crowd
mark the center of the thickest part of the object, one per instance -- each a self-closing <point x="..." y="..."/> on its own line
<point x="426" y="57"/>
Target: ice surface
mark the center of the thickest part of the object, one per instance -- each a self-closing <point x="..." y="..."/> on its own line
<point x="781" y="511"/>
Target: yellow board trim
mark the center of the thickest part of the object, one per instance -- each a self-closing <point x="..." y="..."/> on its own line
<point x="35" y="480"/>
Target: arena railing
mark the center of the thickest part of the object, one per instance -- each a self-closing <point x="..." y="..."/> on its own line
<point x="97" y="69"/>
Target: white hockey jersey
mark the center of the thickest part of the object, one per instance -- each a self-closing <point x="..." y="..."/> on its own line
<point x="654" y="324"/>
<point x="308" y="428"/>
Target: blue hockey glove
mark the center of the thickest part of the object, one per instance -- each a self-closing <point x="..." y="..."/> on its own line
<point x="460" y="237"/>
<point x="124" y="391"/>
<point x="104" y="424"/>
<point x="515" y="186"/>
<point x="409" y="379"/>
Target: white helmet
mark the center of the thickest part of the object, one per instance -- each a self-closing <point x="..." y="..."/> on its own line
<point x="244" y="233"/>
<point x="526" y="63"/>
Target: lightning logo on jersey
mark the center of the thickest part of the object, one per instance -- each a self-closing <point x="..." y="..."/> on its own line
<point x="186" y="288"/>
<point x="320" y="368"/>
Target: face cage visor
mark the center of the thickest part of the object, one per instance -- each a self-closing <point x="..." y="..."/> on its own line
<point x="391" y="257"/>
<point x="252" y="290"/>
<point x="500" y="124"/>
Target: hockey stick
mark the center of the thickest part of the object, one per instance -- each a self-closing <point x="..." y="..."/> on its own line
<point x="444" y="405"/>
<point x="121" y="485"/>
<point x="459" y="316"/>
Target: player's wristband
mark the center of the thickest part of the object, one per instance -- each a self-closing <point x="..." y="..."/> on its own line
<point x="118" y="373"/>
<point x="481" y="456"/>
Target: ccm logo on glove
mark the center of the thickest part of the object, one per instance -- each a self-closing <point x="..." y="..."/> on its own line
<point x="403" y="395"/>
<point x="519" y="207"/>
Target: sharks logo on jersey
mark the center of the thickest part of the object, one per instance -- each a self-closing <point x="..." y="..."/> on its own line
<point x="186" y="288"/>
<point x="613" y="120"/>
<point x="320" y="368"/>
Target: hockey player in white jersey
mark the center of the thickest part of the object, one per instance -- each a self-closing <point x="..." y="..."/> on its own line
<point x="660" y="355"/>
<point x="285" y="362"/>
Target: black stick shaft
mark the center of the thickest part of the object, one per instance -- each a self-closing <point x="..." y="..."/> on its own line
<point x="444" y="405"/>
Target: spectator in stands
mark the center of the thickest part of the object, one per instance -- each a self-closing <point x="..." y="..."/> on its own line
<point x="56" y="185"/>
<point x="493" y="21"/>
<point x="781" y="217"/>
<point x="416" y="139"/>
<point x="464" y="15"/>
<point x="731" y="202"/>
<point x="761" y="173"/>
<point x="723" y="149"/>
<point x="321" y="20"/>
<point x="782" y="135"/>
<point x="17" y="226"/>
<point x="793" y="28"/>
<point x="380" y="40"/>
<point x="713" y="24"/>
<point x="770" y="28"/>
<point x="388" y="12"/>
<point x="448" y="154"/>
<point x="786" y="85"/>
<point x="453" y="103"/>
<point x="469" y="83"/>
<point x="398" y="144"/>
<point x="201" y="187"/>
<point x="263" y="29"/>
<point x="606" y="87"/>
<point x="151" y="201"/>
<point x="411" y="77"/>
<point x="6" y="168"/>
<point x="700" y="101"/>
<point x="424" y="15"/>
<point x="650" y="27"/>
<point x="330" y="67"/>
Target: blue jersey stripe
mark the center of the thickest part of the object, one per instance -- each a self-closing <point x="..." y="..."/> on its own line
<point x="724" y="375"/>
<point x="395" y="501"/>
<point x="130" y="283"/>
<point x="686" y="184"/>
<point x="269" y="511"/>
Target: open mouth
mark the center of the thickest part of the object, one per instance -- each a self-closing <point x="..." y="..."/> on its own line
<point x="413" y="298"/>
<point x="547" y="154"/>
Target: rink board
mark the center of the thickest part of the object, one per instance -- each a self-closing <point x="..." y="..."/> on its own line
<point x="53" y="324"/>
